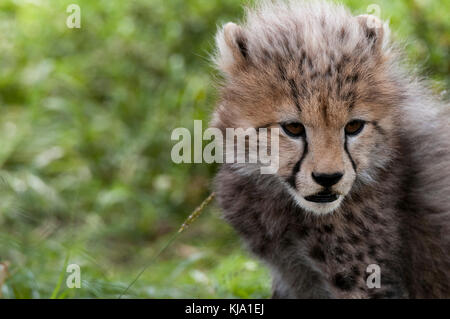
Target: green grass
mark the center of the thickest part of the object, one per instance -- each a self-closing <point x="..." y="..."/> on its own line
<point x="86" y="118"/>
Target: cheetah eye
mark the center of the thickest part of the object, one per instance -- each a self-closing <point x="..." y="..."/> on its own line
<point x="293" y="129"/>
<point x="354" y="127"/>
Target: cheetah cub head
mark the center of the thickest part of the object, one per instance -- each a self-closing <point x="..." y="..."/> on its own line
<point x="326" y="82"/>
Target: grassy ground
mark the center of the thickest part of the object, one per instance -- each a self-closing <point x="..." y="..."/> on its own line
<point x="86" y="118"/>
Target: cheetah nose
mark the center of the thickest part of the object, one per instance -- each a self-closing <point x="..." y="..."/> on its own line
<point x="327" y="180"/>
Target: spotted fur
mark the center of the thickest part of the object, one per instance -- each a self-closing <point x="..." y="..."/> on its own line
<point x="316" y="63"/>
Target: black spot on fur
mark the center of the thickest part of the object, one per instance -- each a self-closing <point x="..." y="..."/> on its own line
<point x="317" y="253"/>
<point x="371" y="33"/>
<point x="355" y="239"/>
<point x="302" y="61"/>
<point x="378" y="128"/>
<point x="372" y="250"/>
<point x="310" y="63"/>
<point x="328" y="228"/>
<point x="338" y="251"/>
<point x="281" y="70"/>
<point x="349" y="96"/>
<point x="344" y="281"/>
<point x="342" y="33"/>
<point x="328" y="72"/>
<point x="287" y="242"/>
<point x="304" y="232"/>
<point x="352" y="79"/>
<point x="349" y="216"/>
<point x="351" y="103"/>
<point x="345" y="58"/>
<point x="242" y="46"/>
<point x="295" y="93"/>
<point x="355" y="271"/>
<point x="365" y="232"/>
<point x="303" y="90"/>
<point x="360" y="256"/>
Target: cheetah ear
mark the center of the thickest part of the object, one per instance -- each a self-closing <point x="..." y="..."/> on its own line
<point x="375" y="30"/>
<point x="232" y="51"/>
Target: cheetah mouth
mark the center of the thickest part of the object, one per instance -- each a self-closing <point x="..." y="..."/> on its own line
<point x="322" y="197"/>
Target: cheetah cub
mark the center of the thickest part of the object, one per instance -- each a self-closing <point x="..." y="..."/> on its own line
<point x="364" y="165"/>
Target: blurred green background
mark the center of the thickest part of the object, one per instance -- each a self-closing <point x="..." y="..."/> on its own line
<point x="86" y="118"/>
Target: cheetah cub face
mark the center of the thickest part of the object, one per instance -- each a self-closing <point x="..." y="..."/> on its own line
<point x="328" y="90"/>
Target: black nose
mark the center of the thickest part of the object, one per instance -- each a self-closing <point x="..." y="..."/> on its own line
<point x="327" y="180"/>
